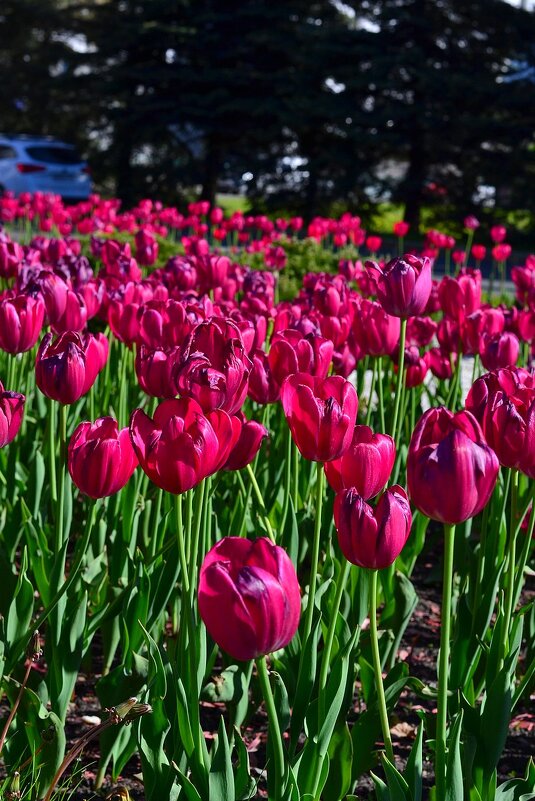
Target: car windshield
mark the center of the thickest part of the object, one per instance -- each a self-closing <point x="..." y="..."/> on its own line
<point x="54" y="155"/>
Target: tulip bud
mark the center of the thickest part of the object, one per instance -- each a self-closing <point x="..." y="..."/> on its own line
<point x="499" y="350"/>
<point x="403" y="285"/>
<point x="451" y="471"/>
<point x="60" y="367"/>
<point x="366" y="465"/>
<point x="101" y="459"/>
<point x="11" y="412"/>
<point x="291" y="352"/>
<point x="154" y="370"/>
<point x="181" y="445"/>
<point x="504" y="404"/>
<point x="249" y="597"/>
<point x="21" y="320"/>
<point x="321" y="414"/>
<point x="248" y="444"/>
<point x="372" y="538"/>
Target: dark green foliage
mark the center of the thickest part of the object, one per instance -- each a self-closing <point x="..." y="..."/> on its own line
<point x="322" y="103"/>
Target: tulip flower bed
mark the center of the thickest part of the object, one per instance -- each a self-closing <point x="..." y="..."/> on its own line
<point x="219" y="508"/>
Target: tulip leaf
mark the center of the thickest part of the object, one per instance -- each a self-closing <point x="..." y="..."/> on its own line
<point x="228" y="687"/>
<point x="221" y="778"/>
<point x="381" y="790"/>
<point x="281" y="700"/>
<point x="340" y="759"/>
<point x="244" y="783"/>
<point x="414" y="769"/>
<point x="184" y="723"/>
<point x="396" y="615"/>
<point x="21" y="607"/>
<point x="398" y="789"/>
<point x="305" y="679"/>
<point x="187" y="787"/>
<point x="518" y="789"/>
<point x="334" y="695"/>
<point x="454" y="768"/>
<point x="367" y="729"/>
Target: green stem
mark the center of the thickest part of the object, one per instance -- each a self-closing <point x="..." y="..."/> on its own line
<point x="372" y="390"/>
<point x="288" y="480"/>
<point x="274" y="728"/>
<point x="295" y="476"/>
<point x="326" y="658"/>
<point x="181" y="549"/>
<point x="511" y="561"/>
<point x="315" y="552"/>
<point x="469" y="240"/>
<point x="525" y="550"/>
<point x="381" y="701"/>
<point x="261" y="504"/>
<point x="442" y="704"/>
<point x="380" y="394"/>
<point x="193" y="546"/>
<point x="399" y="385"/>
<point x="52" y="451"/>
<point x="61" y="493"/>
<point x="475" y="368"/>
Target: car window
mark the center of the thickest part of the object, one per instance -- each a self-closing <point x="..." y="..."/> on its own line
<point x="7" y="152"/>
<point x="54" y="155"/>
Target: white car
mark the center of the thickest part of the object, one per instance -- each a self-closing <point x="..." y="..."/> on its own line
<point x="42" y="164"/>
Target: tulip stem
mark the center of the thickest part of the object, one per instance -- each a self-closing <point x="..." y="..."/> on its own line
<point x="288" y="480"/>
<point x="52" y="451"/>
<point x="370" y="396"/>
<point x="261" y="504"/>
<point x="61" y="492"/>
<point x="442" y="703"/>
<point x="274" y="727"/>
<point x="193" y="541"/>
<point x="181" y="548"/>
<point x="380" y="395"/>
<point x="399" y="384"/>
<point x="525" y="549"/>
<point x="381" y="701"/>
<point x="315" y="552"/>
<point x="511" y="561"/>
<point x="326" y="658"/>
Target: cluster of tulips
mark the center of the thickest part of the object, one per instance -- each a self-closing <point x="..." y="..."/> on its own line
<point x="202" y="529"/>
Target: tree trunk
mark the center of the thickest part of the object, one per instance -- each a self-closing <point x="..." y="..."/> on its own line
<point x="212" y="166"/>
<point x="414" y="182"/>
<point x="124" y="146"/>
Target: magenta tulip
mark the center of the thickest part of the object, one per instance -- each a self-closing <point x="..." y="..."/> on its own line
<point x="366" y="465"/>
<point x="368" y="537"/>
<point x="321" y="414"/>
<point x="451" y="471"/>
<point x="100" y="458"/>
<point x="249" y="597"/>
<point x="403" y="285"/>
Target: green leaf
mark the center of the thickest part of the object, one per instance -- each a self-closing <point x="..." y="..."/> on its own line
<point x="184" y="723"/>
<point x="340" y="759"/>
<point x="21" y="607"/>
<point x="454" y="768"/>
<point x="414" y="769"/>
<point x="518" y="789"/>
<point x="398" y="789"/>
<point x="305" y="679"/>
<point x="335" y="692"/>
<point x="244" y="783"/>
<point x="187" y="787"/>
<point x="228" y="687"/>
<point x="281" y="700"/>
<point x="221" y="778"/>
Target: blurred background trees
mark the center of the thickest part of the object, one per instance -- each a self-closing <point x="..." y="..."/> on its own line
<point x="301" y="104"/>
